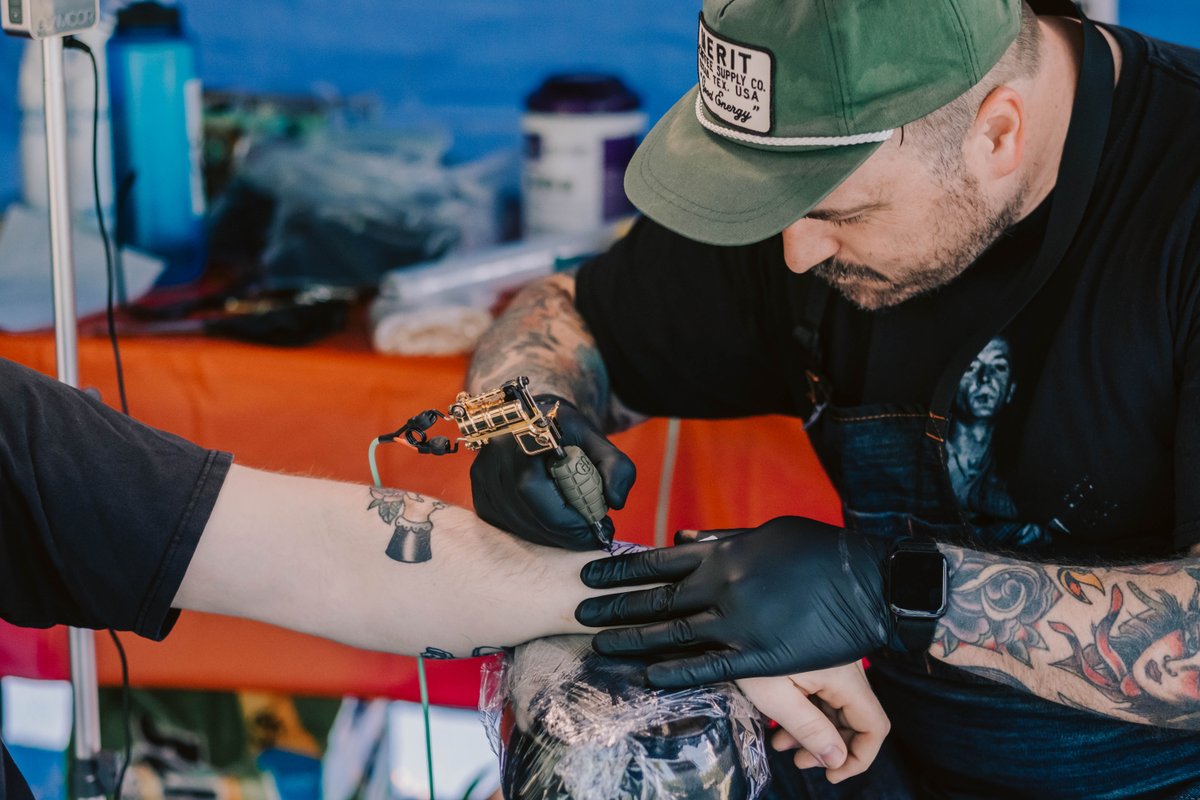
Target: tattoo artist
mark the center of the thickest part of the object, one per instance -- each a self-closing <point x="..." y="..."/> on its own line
<point x="958" y="239"/>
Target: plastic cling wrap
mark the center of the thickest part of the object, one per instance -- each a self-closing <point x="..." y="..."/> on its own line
<point x="569" y="724"/>
<point x="343" y="209"/>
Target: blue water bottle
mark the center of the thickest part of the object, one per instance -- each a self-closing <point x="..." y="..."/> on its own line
<point x="157" y="138"/>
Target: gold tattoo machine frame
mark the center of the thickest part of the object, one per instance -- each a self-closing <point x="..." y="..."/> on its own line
<point x="510" y="410"/>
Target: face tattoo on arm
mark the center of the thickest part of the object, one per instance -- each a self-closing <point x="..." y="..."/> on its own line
<point x="1123" y="640"/>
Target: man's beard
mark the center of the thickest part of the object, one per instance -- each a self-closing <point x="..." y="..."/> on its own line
<point x="966" y="226"/>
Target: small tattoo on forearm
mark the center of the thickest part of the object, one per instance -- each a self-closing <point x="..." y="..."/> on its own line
<point x="409" y="515"/>
<point x="411" y="544"/>
<point x="486" y="650"/>
<point x="436" y="654"/>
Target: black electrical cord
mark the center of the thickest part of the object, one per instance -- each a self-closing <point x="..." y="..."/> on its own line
<point x="74" y="44"/>
<point x="110" y="268"/>
<point x="126" y="714"/>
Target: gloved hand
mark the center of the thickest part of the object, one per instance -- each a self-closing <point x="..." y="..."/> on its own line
<point x="793" y="595"/>
<point x="515" y="492"/>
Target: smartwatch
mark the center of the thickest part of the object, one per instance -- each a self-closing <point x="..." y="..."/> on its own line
<point x="917" y="592"/>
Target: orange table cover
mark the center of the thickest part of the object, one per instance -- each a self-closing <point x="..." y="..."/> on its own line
<point x="313" y="411"/>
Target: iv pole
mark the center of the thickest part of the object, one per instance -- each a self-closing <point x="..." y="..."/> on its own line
<point x="87" y="782"/>
<point x="66" y="356"/>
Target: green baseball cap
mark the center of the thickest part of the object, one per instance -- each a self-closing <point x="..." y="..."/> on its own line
<point x="794" y="95"/>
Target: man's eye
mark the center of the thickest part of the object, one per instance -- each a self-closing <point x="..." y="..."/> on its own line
<point x="843" y="221"/>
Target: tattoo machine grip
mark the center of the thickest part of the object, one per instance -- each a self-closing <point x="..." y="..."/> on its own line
<point x="581" y="486"/>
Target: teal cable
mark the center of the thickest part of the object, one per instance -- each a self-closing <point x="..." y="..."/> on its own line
<point x="371" y="459"/>
<point x="428" y="729"/>
<point x="420" y="661"/>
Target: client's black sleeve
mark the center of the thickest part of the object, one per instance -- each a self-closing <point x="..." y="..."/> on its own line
<point x="689" y="329"/>
<point x="99" y="514"/>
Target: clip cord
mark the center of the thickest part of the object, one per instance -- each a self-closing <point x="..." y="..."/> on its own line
<point x="429" y="418"/>
<point x="414" y="430"/>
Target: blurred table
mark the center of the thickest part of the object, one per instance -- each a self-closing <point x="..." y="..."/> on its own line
<point x="313" y="411"/>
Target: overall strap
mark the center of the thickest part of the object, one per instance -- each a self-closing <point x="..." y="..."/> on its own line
<point x="808" y="309"/>
<point x="809" y="312"/>
<point x="1082" y="150"/>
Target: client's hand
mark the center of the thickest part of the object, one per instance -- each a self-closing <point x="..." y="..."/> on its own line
<point x="831" y="715"/>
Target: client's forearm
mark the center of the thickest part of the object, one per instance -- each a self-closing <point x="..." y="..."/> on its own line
<point x="381" y="569"/>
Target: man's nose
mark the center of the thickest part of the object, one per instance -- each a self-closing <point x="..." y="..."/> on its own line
<point x="807" y="243"/>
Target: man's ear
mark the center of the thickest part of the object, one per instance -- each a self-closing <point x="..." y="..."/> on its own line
<point x="995" y="144"/>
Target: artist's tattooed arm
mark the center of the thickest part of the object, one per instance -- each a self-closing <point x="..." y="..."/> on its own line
<point x="382" y="569"/>
<point x="1123" y="641"/>
<point x="542" y="336"/>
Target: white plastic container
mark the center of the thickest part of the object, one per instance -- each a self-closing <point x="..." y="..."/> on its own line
<point x="580" y="132"/>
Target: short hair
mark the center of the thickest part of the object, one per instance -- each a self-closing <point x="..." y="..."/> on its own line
<point x="940" y="134"/>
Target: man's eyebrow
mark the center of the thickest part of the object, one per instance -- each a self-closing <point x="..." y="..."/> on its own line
<point x="824" y="215"/>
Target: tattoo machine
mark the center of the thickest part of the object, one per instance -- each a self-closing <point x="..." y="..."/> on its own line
<point x="511" y="411"/>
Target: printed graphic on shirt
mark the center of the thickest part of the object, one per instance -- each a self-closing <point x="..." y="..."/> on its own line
<point x="735" y="81"/>
<point x="985" y="390"/>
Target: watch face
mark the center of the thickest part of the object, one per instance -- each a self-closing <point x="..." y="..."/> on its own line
<point x="917" y="583"/>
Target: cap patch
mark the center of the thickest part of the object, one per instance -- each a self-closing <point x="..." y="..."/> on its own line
<point x="735" y="81"/>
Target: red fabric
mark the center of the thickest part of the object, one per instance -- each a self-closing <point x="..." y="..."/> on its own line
<point x="314" y="411"/>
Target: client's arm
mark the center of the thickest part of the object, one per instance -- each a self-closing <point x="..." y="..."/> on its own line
<point x="831" y="717"/>
<point x="382" y="569"/>
<point x="392" y="570"/>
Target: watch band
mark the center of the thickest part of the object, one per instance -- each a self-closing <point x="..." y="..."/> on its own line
<point x="915" y="634"/>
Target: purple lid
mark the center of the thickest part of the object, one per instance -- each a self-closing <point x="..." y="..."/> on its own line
<point x="582" y="93"/>
<point x="148" y="14"/>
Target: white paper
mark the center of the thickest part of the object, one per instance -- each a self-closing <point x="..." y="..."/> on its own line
<point x="26" y="290"/>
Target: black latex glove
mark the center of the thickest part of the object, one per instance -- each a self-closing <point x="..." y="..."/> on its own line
<point x="793" y="595"/>
<point x="515" y="492"/>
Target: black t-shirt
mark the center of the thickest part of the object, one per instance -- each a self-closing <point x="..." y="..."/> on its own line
<point x="1092" y="395"/>
<point x="99" y="514"/>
